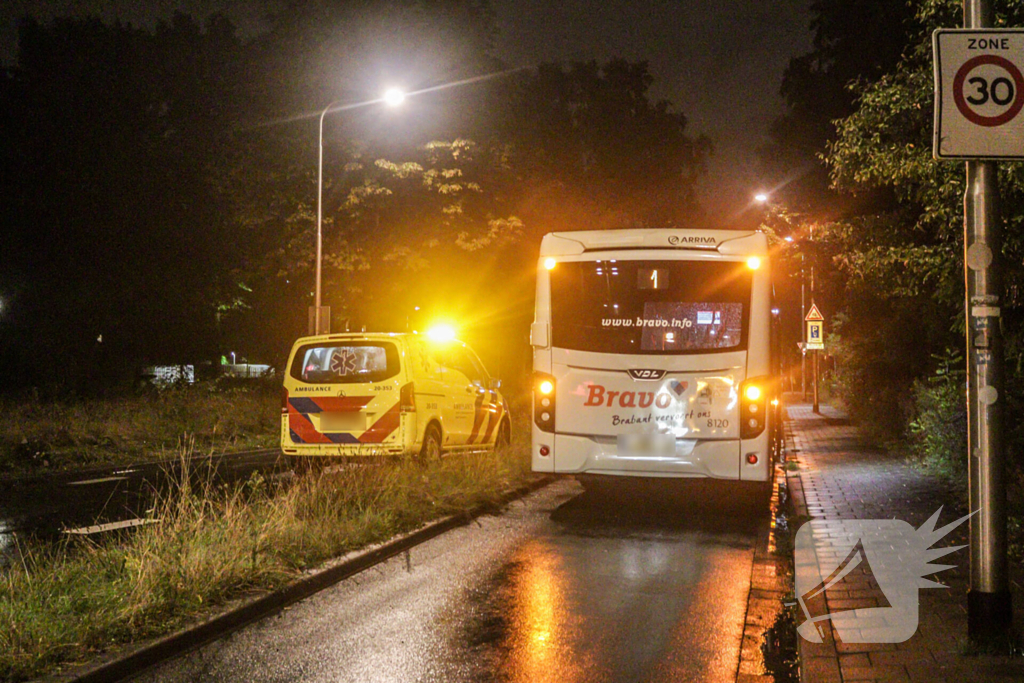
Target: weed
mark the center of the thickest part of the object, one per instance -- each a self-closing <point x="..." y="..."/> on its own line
<point x="64" y="604"/>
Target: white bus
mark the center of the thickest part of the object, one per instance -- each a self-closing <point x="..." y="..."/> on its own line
<point x="652" y="355"/>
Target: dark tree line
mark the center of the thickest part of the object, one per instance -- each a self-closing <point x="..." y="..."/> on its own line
<point x="158" y="188"/>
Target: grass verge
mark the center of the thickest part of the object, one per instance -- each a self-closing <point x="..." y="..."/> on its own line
<point x="52" y="435"/>
<point x="65" y="605"/>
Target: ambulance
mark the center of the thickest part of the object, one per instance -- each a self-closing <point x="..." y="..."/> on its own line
<point x="364" y="394"/>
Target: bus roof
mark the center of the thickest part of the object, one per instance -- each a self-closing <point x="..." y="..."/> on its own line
<point x="748" y="242"/>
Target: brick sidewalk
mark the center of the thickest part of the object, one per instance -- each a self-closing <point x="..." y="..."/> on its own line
<point x="841" y="476"/>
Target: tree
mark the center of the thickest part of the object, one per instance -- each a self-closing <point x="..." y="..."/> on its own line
<point x="853" y="42"/>
<point x="109" y="132"/>
<point x="902" y="267"/>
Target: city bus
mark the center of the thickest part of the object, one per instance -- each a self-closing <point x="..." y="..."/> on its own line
<point x="653" y="357"/>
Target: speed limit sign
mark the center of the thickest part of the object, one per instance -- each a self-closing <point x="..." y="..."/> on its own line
<point x="979" y="94"/>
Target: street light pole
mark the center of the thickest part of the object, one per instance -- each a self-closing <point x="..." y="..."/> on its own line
<point x="803" y="329"/>
<point x="320" y="324"/>
<point x="318" y="327"/>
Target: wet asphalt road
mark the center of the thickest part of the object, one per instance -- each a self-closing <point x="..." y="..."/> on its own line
<point x="44" y="507"/>
<point x="564" y="586"/>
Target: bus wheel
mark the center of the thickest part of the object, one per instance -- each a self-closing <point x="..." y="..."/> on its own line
<point x="504" y="436"/>
<point x="431" y="449"/>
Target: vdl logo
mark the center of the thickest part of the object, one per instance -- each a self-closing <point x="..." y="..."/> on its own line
<point x="834" y="555"/>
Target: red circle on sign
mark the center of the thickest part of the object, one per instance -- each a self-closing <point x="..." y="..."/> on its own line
<point x="964" y="106"/>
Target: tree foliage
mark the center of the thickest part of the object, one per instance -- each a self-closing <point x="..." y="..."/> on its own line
<point x="160" y="185"/>
<point x="901" y="268"/>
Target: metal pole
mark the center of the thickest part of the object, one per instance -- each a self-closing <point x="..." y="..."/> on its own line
<point x="989" y="610"/>
<point x="816" y="408"/>
<point x="803" y="331"/>
<point x="319" y="220"/>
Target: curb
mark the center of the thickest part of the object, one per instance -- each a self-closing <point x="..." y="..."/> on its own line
<point x="798" y="504"/>
<point x="177" y="644"/>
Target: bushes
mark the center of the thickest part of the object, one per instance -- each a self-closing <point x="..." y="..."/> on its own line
<point x="938" y="433"/>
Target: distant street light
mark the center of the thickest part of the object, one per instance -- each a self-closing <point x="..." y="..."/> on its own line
<point x="761" y="197"/>
<point x="393" y="97"/>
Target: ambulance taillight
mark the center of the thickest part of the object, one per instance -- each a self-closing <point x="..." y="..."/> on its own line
<point x="407" y="398"/>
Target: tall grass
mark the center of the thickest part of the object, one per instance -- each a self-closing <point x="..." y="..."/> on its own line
<point x="66" y="604"/>
<point x="43" y="435"/>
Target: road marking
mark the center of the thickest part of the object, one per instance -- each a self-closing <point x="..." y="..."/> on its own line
<point x="110" y="526"/>
<point x="102" y="480"/>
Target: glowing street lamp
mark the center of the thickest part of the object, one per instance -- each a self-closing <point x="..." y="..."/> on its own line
<point x="393" y="97"/>
<point x="761" y="198"/>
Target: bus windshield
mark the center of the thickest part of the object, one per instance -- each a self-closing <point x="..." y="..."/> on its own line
<point x="650" y="307"/>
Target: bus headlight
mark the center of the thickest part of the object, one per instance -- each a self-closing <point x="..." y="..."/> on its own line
<point x="544" y="402"/>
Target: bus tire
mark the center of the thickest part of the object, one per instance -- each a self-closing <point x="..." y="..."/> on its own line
<point x="430" y="451"/>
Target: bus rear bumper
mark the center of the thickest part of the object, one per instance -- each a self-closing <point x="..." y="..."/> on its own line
<point x="711" y="458"/>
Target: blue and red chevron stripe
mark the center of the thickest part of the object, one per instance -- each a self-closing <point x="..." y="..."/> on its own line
<point x="303" y="431"/>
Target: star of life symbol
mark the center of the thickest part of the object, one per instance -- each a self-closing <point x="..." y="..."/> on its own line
<point x="343" y="362"/>
<point x="847" y="554"/>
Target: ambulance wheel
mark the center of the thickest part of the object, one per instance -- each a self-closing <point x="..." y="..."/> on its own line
<point x="431" y="449"/>
<point x="504" y="436"/>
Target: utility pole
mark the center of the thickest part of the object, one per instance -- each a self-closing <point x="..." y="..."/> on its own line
<point x="989" y="610"/>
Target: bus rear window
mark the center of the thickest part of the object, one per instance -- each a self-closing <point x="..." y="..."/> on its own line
<point x="650" y="307"/>
<point x="346" y="363"/>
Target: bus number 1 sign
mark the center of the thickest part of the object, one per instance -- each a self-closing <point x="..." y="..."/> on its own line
<point x="979" y="94"/>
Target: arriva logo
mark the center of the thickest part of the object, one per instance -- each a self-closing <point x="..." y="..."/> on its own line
<point x="676" y="240"/>
<point x="599" y="396"/>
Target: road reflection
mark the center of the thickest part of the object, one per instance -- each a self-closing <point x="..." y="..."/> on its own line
<point x="650" y="588"/>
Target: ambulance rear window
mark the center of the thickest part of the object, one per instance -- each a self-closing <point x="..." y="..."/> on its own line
<point x="345" y="363"/>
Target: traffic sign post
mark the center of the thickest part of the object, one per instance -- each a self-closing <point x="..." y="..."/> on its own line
<point x="979" y="95"/>
<point x="815" y="323"/>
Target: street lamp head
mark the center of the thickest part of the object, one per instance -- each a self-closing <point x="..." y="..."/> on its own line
<point x="761" y="197"/>
<point x="788" y="238"/>
<point x="393" y="97"/>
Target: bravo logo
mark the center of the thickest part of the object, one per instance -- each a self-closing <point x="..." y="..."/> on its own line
<point x="598" y="395"/>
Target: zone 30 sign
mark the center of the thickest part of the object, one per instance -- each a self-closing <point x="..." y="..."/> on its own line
<point x="979" y="94"/>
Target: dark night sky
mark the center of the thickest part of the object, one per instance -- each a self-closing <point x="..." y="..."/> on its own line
<point x="718" y="61"/>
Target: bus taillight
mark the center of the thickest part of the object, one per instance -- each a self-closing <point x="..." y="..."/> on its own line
<point x="544" y="401"/>
<point x="753" y="407"/>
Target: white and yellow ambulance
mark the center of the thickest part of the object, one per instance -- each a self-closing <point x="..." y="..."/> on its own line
<point x="364" y="393"/>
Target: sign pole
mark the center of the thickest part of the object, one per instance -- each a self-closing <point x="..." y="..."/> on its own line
<point x="816" y="408"/>
<point x="989" y="611"/>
